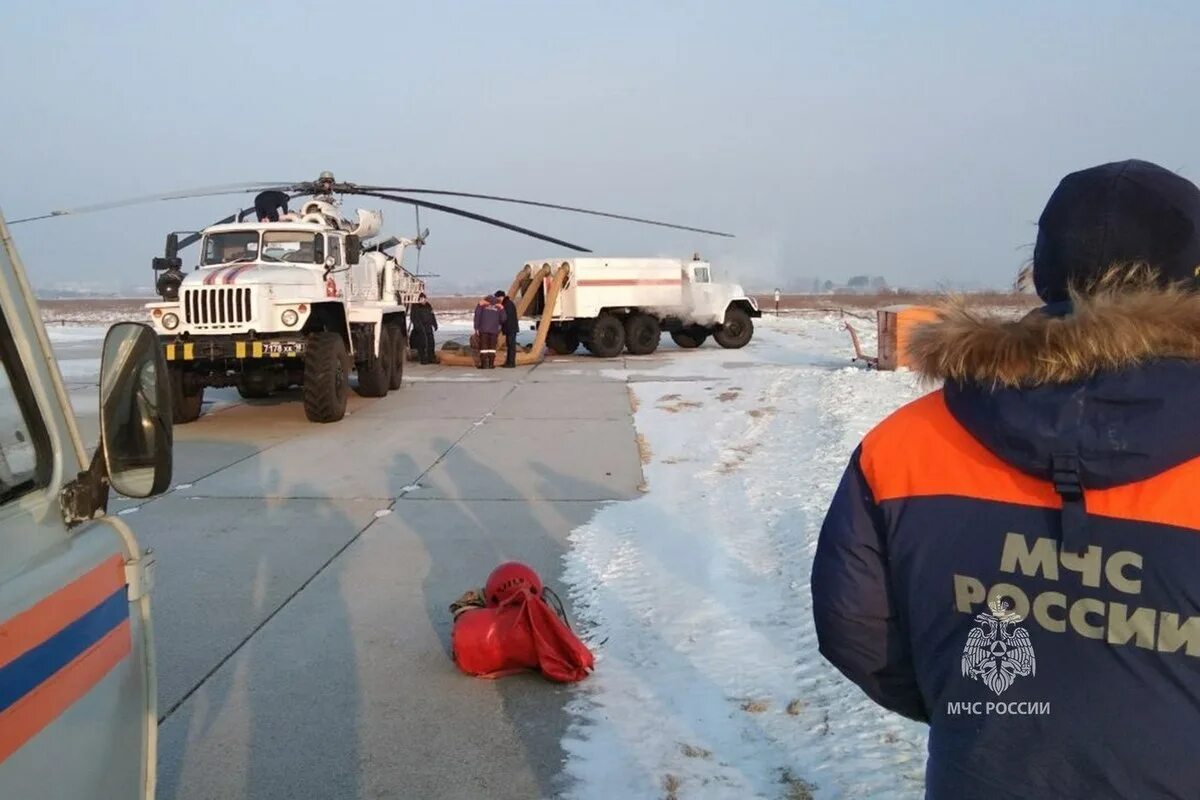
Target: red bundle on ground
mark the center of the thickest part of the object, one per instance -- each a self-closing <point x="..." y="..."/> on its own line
<point x="516" y="631"/>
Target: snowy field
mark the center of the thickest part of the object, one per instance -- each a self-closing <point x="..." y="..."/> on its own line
<point x="696" y="596"/>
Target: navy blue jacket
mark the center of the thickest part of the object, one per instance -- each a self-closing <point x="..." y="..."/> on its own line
<point x="944" y="588"/>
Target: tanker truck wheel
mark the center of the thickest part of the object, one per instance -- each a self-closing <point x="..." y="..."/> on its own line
<point x="185" y="407"/>
<point x="326" y="377"/>
<point x="399" y="351"/>
<point x="563" y="340"/>
<point x="736" y="331"/>
<point x="690" y="337"/>
<point x="373" y="377"/>
<point x="607" y="338"/>
<point x="642" y="334"/>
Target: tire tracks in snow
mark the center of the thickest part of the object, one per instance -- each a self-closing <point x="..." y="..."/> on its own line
<point x="696" y="596"/>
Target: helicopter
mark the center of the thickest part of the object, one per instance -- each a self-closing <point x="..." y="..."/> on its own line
<point x="285" y="298"/>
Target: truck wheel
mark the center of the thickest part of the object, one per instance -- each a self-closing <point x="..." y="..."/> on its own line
<point x="373" y="371"/>
<point x="607" y="339"/>
<point x="185" y="407"/>
<point x="736" y="331"/>
<point x="252" y="392"/>
<point x="690" y="337"/>
<point x="642" y="334"/>
<point x="255" y="385"/>
<point x="399" y="353"/>
<point x="563" y="340"/>
<point x="326" y="377"/>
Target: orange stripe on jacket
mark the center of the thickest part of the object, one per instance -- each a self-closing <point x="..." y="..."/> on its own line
<point x="53" y="613"/>
<point x="27" y="717"/>
<point x="922" y="451"/>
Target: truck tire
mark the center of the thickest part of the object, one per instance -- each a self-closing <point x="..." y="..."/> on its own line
<point x="373" y="377"/>
<point x="326" y="377"/>
<point x="642" y="334"/>
<point x="607" y="338"/>
<point x="563" y="340"/>
<point x="690" y="337"/>
<point x="736" y="331"/>
<point x="185" y="407"/>
<point x="399" y="352"/>
<point x="252" y="392"/>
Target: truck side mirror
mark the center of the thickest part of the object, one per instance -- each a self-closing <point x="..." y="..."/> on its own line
<point x="319" y="249"/>
<point x="353" y="248"/>
<point x="135" y="411"/>
<point x="172" y="248"/>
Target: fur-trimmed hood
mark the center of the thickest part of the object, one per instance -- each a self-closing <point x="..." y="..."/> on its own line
<point x="1106" y="332"/>
<point x="1115" y="384"/>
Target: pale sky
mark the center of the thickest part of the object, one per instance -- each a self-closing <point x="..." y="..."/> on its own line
<point x="916" y="140"/>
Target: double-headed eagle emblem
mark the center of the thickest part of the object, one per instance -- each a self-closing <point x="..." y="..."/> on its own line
<point x="997" y="651"/>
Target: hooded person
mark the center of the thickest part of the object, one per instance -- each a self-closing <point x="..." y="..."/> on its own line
<point x="489" y="320"/>
<point x="424" y="323"/>
<point x="512" y="325"/>
<point x="1013" y="558"/>
<point x="268" y="204"/>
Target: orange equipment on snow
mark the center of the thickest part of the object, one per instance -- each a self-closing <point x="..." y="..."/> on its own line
<point x="511" y="627"/>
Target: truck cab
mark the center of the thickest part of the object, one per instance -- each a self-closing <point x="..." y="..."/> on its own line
<point x="293" y="302"/>
<point x="78" y="714"/>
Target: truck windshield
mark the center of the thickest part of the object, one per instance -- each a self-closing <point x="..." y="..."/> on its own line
<point x="295" y="247"/>
<point x="225" y="248"/>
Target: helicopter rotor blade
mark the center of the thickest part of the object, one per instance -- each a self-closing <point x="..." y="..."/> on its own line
<point x="182" y="194"/>
<point x="473" y="216"/>
<point x="574" y="209"/>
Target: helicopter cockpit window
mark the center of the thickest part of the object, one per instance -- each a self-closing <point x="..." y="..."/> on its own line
<point x="294" y="247"/>
<point x="226" y="248"/>
<point x="701" y="275"/>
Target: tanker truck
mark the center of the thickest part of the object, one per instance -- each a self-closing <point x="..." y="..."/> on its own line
<point x="613" y="305"/>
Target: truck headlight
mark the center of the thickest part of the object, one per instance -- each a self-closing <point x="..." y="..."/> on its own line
<point x="170" y="321"/>
<point x="289" y="317"/>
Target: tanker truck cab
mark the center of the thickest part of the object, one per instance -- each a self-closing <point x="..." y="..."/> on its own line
<point x="78" y="716"/>
<point x="288" y="303"/>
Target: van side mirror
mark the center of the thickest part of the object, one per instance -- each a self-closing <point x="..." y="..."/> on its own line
<point x="135" y="411"/>
<point x="353" y="248"/>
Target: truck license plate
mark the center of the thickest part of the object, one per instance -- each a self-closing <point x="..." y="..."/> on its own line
<point x="282" y="348"/>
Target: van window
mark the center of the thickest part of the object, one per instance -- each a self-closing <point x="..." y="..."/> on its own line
<point x="24" y="444"/>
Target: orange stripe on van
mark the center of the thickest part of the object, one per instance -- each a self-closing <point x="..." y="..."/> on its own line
<point x="922" y="451"/>
<point x="27" y="717"/>
<point x="50" y="615"/>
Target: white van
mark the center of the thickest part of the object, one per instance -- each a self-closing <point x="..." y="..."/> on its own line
<point x="78" y="714"/>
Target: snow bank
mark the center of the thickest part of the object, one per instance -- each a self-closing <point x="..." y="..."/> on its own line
<point x="696" y="596"/>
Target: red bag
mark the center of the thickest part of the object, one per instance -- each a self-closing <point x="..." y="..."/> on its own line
<point x="517" y="631"/>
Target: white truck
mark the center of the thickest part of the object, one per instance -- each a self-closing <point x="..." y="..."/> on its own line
<point x="615" y="304"/>
<point x="78" y="699"/>
<point x="293" y="302"/>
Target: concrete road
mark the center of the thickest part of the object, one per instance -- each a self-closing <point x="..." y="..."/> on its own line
<point x="305" y="573"/>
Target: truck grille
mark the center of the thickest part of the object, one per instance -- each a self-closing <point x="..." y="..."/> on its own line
<point x="217" y="307"/>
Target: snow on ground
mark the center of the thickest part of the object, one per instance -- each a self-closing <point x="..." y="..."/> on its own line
<point x="696" y="596"/>
<point x="68" y="334"/>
